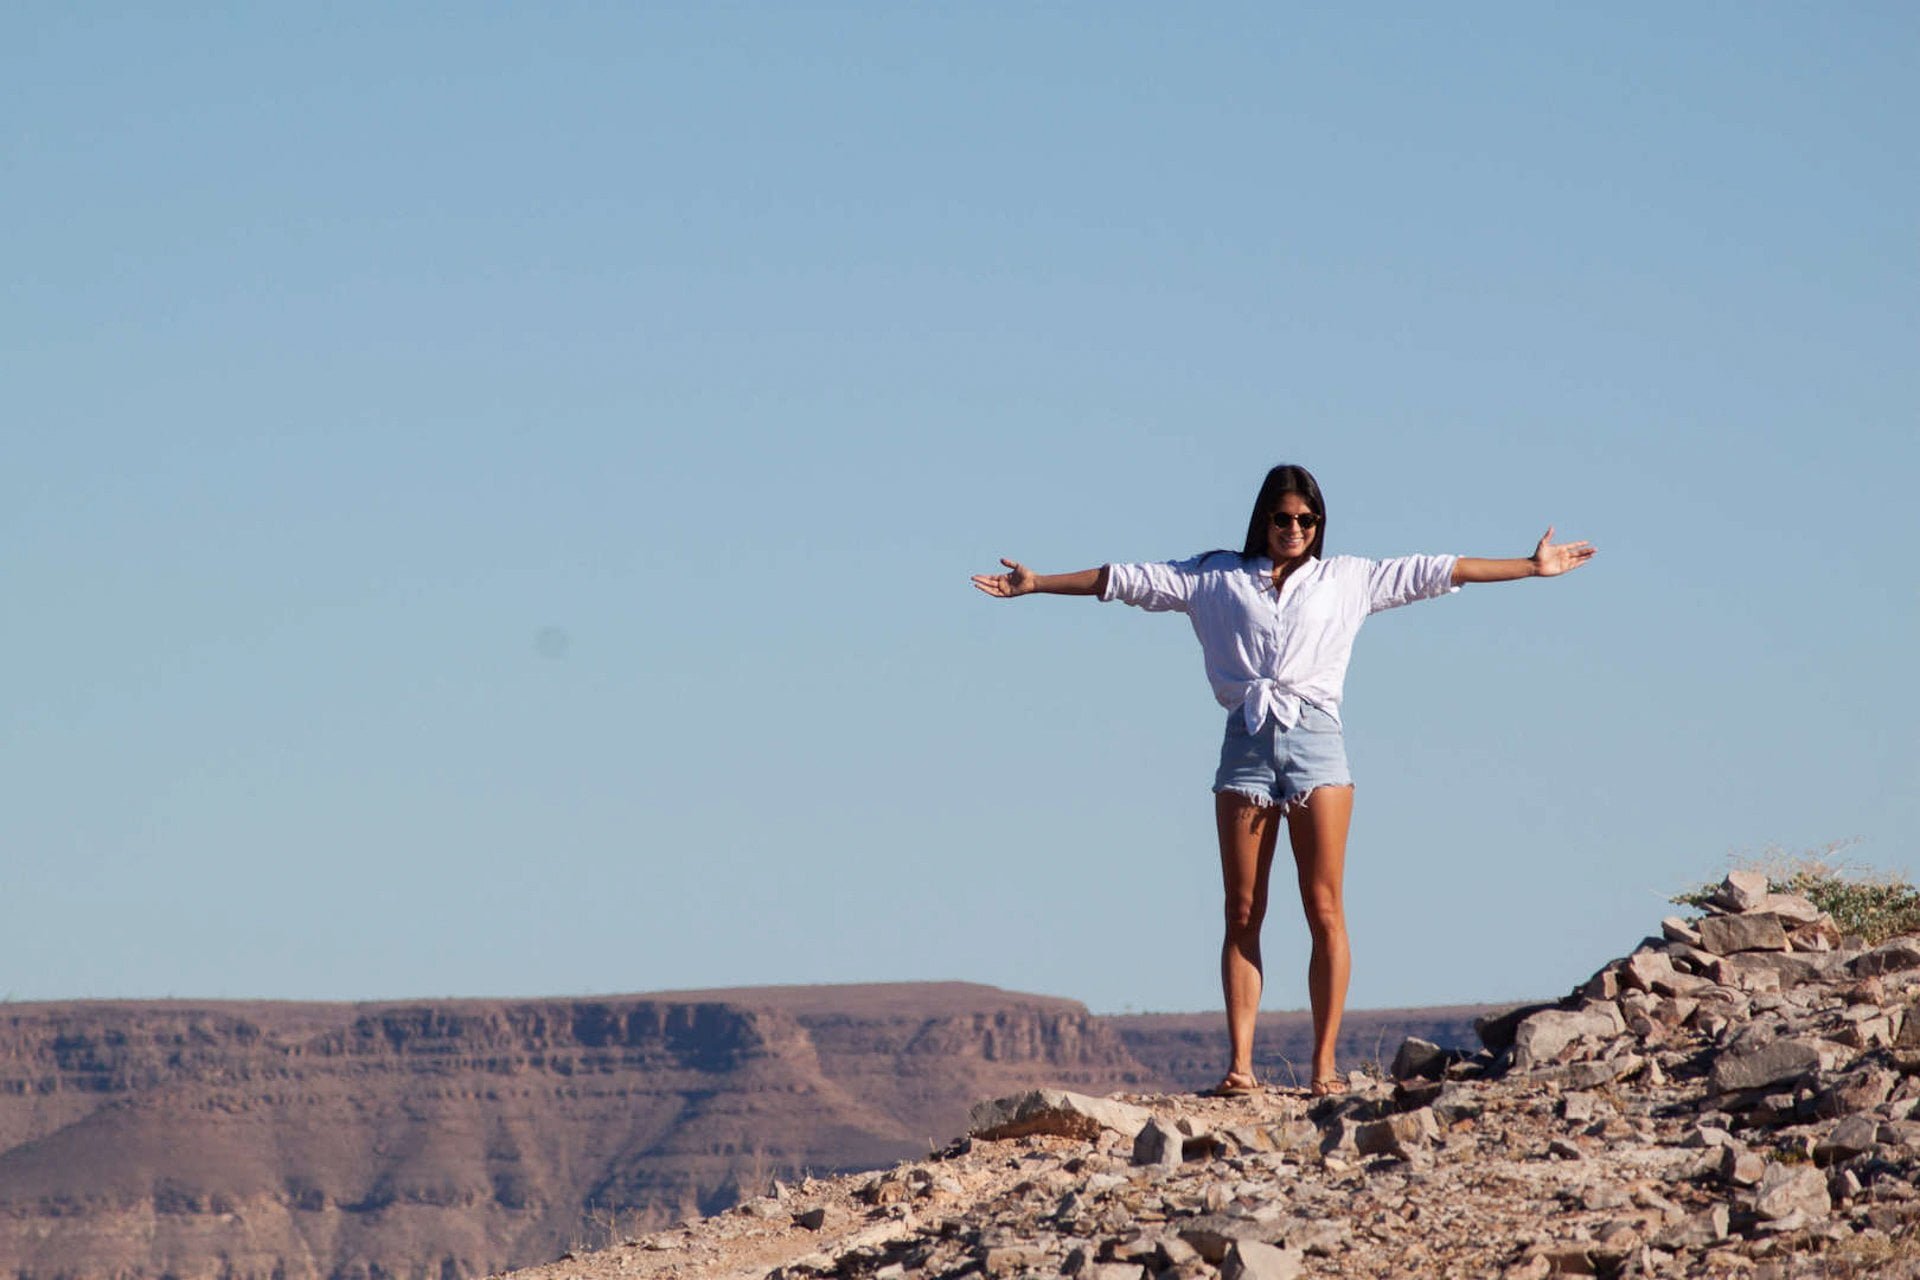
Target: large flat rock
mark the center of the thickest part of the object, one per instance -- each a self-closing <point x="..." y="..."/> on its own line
<point x="1054" y="1111"/>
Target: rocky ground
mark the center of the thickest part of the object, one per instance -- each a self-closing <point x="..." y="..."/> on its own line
<point x="1740" y="1097"/>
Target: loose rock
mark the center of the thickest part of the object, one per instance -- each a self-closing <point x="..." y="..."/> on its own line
<point x="1158" y="1143"/>
<point x="1056" y="1112"/>
<point x="1252" y="1260"/>
<point x="1787" y="1189"/>
<point x="1418" y="1059"/>
<point x="1763" y="1065"/>
<point x="1724" y="935"/>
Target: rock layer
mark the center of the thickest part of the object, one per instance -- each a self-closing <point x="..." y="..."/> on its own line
<point x="458" y="1138"/>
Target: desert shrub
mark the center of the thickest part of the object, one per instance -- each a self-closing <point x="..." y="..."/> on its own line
<point x="1874" y="904"/>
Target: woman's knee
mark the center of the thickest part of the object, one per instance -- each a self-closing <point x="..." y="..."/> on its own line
<point x="1326" y="913"/>
<point x="1245" y="914"/>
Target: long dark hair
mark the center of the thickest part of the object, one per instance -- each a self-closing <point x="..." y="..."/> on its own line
<point x="1282" y="480"/>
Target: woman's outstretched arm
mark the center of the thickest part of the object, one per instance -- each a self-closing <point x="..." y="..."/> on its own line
<point x="1548" y="559"/>
<point x="1022" y="581"/>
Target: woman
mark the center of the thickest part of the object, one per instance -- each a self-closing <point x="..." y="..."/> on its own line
<point x="1276" y="624"/>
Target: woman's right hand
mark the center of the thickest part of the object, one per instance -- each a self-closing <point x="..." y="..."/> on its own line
<point x="1018" y="581"/>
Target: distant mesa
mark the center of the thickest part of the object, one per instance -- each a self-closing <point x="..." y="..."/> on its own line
<point x="464" y="1137"/>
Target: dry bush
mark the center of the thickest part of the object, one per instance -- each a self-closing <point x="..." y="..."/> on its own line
<point x="1876" y="905"/>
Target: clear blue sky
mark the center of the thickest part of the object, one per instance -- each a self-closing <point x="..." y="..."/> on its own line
<point x="487" y="496"/>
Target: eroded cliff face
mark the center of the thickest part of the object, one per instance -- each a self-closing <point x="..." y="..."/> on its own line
<point x="462" y="1137"/>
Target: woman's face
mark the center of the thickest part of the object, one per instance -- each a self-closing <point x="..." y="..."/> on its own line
<point x="1288" y="539"/>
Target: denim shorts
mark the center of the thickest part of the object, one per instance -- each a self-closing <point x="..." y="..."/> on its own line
<point x="1275" y="768"/>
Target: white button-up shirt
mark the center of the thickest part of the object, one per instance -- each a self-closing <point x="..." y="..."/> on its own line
<point x="1267" y="653"/>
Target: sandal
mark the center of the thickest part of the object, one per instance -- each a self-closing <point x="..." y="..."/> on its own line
<point x="1328" y="1087"/>
<point x="1235" y="1084"/>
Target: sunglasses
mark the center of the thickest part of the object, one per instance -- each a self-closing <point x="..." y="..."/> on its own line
<point x="1307" y="520"/>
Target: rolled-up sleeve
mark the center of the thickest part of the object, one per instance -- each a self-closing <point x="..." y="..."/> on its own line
<point x="1167" y="585"/>
<point x="1404" y="579"/>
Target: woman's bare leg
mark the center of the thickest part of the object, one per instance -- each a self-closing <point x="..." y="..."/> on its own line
<point x="1317" y="830"/>
<point x="1247" y="835"/>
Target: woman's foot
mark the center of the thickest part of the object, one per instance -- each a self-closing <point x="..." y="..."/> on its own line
<point x="1235" y="1084"/>
<point x="1328" y="1087"/>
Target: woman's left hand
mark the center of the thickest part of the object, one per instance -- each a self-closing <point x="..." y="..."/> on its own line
<point x="1550" y="558"/>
